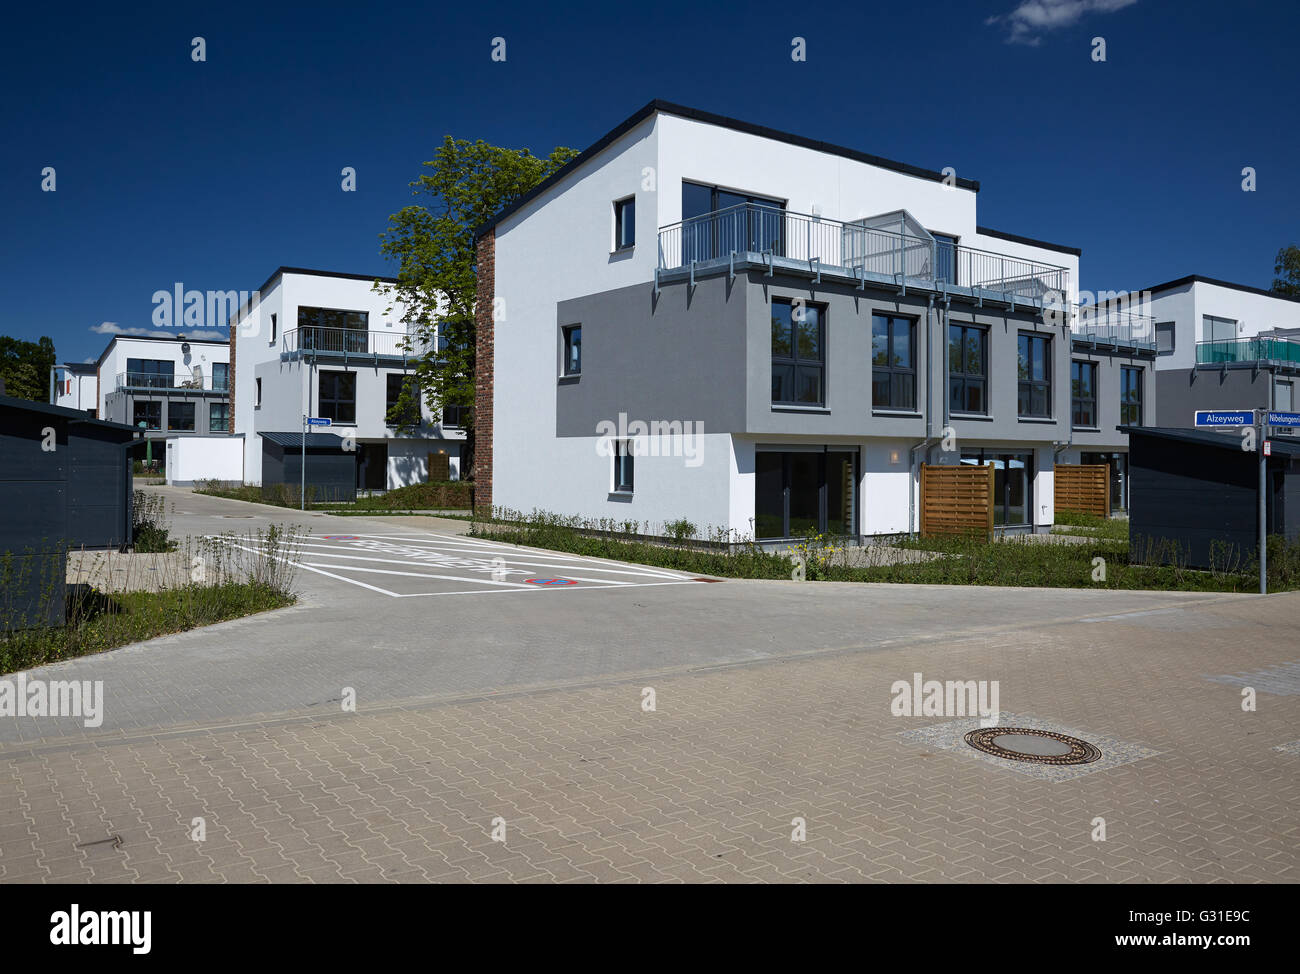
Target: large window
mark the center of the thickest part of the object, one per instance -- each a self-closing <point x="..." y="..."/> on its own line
<point x="758" y="227"/>
<point x="1083" y="394"/>
<point x="219" y="417"/>
<point x="1130" y="400"/>
<point x="338" y="396"/>
<point x="797" y="492"/>
<point x="333" y="330"/>
<point x="798" y="359"/>
<point x="397" y="412"/>
<point x="150" y="373"/>
<point x="967" y="369"/>
<point x="147" y="411"/>
<point x="1219" y="329"/>
<point x="625" y="223"/>
<point x="893" y="362"/>
<point x="180" y="416"/>
<point x="454" y="417"/>
<point x="1035" y="370"/>
<point x="572" y="364"/>
<point x="220" y="376"/>
<point x="623" y="467"/>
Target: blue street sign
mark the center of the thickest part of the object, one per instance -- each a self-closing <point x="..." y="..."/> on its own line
<point x="1283" y="419"/>
<point x="1225" y="417"/>
<point x="318" y="421"/>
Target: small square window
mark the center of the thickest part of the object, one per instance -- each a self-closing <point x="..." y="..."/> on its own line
<point x="625" y="223"/>
<point x="572" y="363"/>
<point x="623" y="466"/>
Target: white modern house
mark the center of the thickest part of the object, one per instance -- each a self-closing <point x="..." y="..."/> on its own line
<point x="326" y="344"/>
<point x="75" y="385"/>
<point x="170" y="387"/>
<point x="704" y="318"/>
<point x="1224" y="346"/>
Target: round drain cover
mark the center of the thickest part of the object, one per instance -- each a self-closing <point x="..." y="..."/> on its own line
<point x="1031" y="744"/>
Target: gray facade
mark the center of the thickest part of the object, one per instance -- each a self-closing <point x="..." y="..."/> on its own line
<point x="1182" y="392"/>
<point x="704" y="353"/>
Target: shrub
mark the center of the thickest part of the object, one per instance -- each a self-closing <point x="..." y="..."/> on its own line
<point x="149" y="531"/>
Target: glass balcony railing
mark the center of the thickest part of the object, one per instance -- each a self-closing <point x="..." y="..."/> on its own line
<point x="1277" y="350"/>
<point x="856" y="250"/>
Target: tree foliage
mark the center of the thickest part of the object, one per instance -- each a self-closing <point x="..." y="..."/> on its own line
<point x="1287" y="270"/>
<point x="461" y="188"/>
<point x="25" y="367"/>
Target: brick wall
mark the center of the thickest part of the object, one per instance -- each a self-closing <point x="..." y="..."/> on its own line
<point x="484" y="378"/>
<point x="230" y="378"/>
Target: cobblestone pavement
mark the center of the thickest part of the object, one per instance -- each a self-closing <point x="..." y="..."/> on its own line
<point x="583" y="784"/>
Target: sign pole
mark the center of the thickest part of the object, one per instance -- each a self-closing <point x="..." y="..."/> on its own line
<point x="302" y="493"/>
<point x="1261" y="431"/>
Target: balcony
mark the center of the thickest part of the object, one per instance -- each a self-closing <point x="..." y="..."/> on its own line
<point x="345" y="344"/>
<point x="1253" y="352"/>
<point x="864" y="251"/>
<point x="1112" y="327"/>
<point x="163" y="383"/>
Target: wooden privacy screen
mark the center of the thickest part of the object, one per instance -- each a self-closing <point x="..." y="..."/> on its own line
<point x="956" y="499"/>
<point x="439" y="467"/>
<point x="1084" y="488"/>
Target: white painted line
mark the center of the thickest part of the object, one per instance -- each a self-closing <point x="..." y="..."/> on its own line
<point x="547" y="588"/>
<point x="318" y="571"/>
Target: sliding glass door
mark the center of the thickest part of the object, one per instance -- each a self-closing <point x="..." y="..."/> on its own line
<point x="1012" y="485"/>
<point x="799" y="491"/>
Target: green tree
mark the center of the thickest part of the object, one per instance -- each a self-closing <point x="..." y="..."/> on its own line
<point x="461" y="188"/>
<point x="1287" y="269"/>
<point x="25" y="367"/>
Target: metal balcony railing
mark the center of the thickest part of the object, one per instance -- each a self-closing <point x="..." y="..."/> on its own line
<point x="1277" y="350"/>
<point x="183" y="381"/>
<point x="346" y="342"/>
<point x="1105" y="324"/>
<point x="855" y="249"/>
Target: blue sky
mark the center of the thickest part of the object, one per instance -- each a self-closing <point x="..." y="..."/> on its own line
<point x="215" y="173"/>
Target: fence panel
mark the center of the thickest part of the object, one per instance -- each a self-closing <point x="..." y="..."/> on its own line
<point x="1084" y="488"/>
<point x="956" y="499"/>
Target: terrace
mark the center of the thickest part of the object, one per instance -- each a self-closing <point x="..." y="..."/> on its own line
<point x="192" y="382"/>
<point x="1249" y="352"/>
<point x="346" y="344"/>
<point x="1112" y="327"/>
<point x="892" y="249"/>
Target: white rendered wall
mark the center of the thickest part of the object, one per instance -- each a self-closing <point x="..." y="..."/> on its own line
<point x="202" y="355"/>
<point x="73" y="390"/>
<point x="1188" y="305"/>
<point x="194" y="458"/>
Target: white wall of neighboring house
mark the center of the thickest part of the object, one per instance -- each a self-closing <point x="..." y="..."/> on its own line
<point x="191" y="459"/>
<point x="1189" y="304"/>
<point x="290" y="388"/>
<point x="74" y="390"/>
<point x="195" y="362"/>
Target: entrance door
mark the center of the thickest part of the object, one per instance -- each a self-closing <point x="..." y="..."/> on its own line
<point x="372" y="466"/>
<point x="800" y="491"/>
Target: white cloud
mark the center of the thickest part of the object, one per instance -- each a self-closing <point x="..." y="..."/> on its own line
<point x="113" y="328"/>
<point x="1033" y="17"/>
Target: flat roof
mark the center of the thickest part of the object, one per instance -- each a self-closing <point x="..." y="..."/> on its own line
<point x="315" y="441"/>
<point x="308" y="272"/>
<point x="157" y="338"/>
<point x="1205" y="437"/>
<point x="62" y="412"/>
<point x="660" y="107"/>
<point x="1201" y="279"/>
<point x="989" y="232"/>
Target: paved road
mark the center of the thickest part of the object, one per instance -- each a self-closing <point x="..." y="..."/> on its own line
<point x="772" y="703"/>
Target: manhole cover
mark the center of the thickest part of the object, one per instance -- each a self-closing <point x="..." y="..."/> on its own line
<point x="1030" y="744"/>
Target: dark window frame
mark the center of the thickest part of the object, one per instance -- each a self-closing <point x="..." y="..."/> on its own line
<point x="711" y="240"/>
<point x="1171" y="329"/>
<point x="224" y="425"/>
<point x="149" y="373"/>
<point x="1077" y="402"/>
<point x="625" y="223"/>
<point x="624" y="470"/>
<point x="968" y="379"/>
<point x="894" y="373"/>
<point x="151" y="406"/>
<point x="796" y="365"/>
<point x="1027" y="387"/>
<point x="336" y="407"/>
<point x="390" y="401"/>
<point x="567" y="349"/>
<point x="1129" y="405"/>
<point x="945" y="256"/>
<point x="454" y="417"/>
<point x="175" y="406"/>
<point x="357" y="341"/>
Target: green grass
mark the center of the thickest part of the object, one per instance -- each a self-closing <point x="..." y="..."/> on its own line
<point x="99" y="622"/>
<point x="1103" y="562"/>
